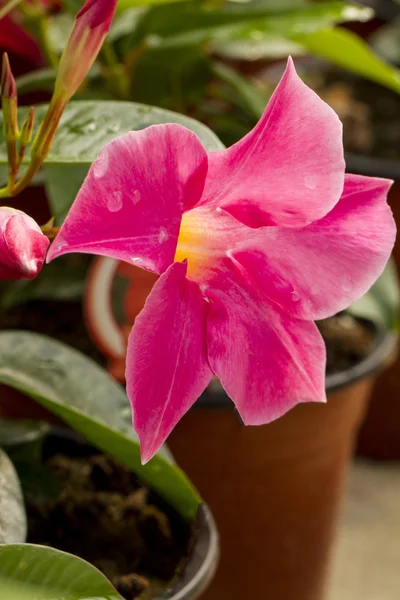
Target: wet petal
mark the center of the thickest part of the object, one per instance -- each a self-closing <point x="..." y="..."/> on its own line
<point x="131" y="203"/>
<point x="267" y="362"/>
<point x="316" y="271"/>
<point x="167" y="367"/>
<point x="289" y="169"/>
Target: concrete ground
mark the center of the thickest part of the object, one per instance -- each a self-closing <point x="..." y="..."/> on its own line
<point x="367" y="556"/>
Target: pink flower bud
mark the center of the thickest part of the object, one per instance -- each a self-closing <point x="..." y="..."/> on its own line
<point x="23" y="246"/>
<point x="92" y="24"/>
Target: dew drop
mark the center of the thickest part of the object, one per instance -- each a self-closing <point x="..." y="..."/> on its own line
<point x="100" y="166"/>
<point x="310" y="181"/>
<point x="114" y="202"/>
<point x="162" y="236"/>
<point x="295" y="296"/>
<point x="90" y="127"/>
<point x="63" y="246"/>
<point x="136" y="260"/>
<point x="136" y="195"/>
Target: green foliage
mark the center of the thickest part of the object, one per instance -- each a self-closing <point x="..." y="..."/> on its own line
<point x="382" y="303"/>
<point x="344" y="48"/>
<point x="31" y="572"/>
<point x="12" y="511"/>
<point x="82" y="394"/>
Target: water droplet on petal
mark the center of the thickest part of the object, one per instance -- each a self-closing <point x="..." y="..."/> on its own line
<point x="136" y="195"/>
<point x="310" y="181"/>
<point x="295" y="296"/>
<point x="135" y="260"/>
<point x="100" y="166"/>
<point x="63" y="246"/>
<point x="114" y="201"/>
<point x="162" y="236"/>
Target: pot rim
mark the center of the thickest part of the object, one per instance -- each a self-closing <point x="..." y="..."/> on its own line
<point x="203" y="561"/>
<point x="384" y="348"/>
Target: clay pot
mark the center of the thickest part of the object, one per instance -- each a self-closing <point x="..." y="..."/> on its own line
<point x="275" y="490"/>
<point x="379" y="436"/>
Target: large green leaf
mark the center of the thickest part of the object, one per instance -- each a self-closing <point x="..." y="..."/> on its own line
<point x="82" y="394"/>
<point x="87" y="126"/>
<point x="191" y="22"/>
<point x="30" y="572"/>
<point x="344" y="48"/>
<point x="12" y="511"/>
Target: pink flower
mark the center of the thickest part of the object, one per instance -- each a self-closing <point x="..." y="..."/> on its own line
<point x="91" y="26"/>
<point x="23" y="246"/>
<point x="252" y="244"/>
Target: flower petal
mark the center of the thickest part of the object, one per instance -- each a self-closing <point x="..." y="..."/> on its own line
<point x="131" y="203"/>
<point x="316" y="271"/>
<point x="289" y="169"/>
<point x="167" y="367"/>
<point x="266" y="361"/>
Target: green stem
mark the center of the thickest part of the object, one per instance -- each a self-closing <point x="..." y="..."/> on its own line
<point x="8" y="7"/>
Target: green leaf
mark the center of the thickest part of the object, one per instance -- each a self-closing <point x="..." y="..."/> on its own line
<point x="31" y="572"/>
<point x="126" y="4"/>
<point x="15" y="433"/>
<point x="12" y="511"/>
<point x="253" y="99"/>
<point x="87" y="126"/>
<point x="386" y="41"/>
<point x="191" y="23"/>
<point x="63" y="183"/>
<point x="63" y="280"/>
<point x="381" y="304"/>
<point x="344" y="48"/>
<point x="41" y="79"/>
<point x="78" y="391"/>
<point x="271" y="45"/>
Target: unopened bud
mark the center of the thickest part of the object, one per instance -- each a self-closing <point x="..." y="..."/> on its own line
<point x="91" y="26"/>
<point x="23" y="246"/>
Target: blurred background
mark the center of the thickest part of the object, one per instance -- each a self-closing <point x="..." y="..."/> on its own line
<point x="308" y="508"/>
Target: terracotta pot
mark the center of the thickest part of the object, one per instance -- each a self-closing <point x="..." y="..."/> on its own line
<point x="379" y="437"/>
<point x="275" y="490"/>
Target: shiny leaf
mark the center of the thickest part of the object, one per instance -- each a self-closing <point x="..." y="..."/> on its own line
<point x="82" y="394"/>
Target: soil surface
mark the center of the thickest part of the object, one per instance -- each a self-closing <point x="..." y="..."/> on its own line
<point x="347" y="341"/>
<point x="105" y="516"/>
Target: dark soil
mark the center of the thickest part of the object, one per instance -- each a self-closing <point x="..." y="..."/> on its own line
<point x="106" y="517"/>
<point x="370" y="114"/>
<point x="347" y="341"/>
